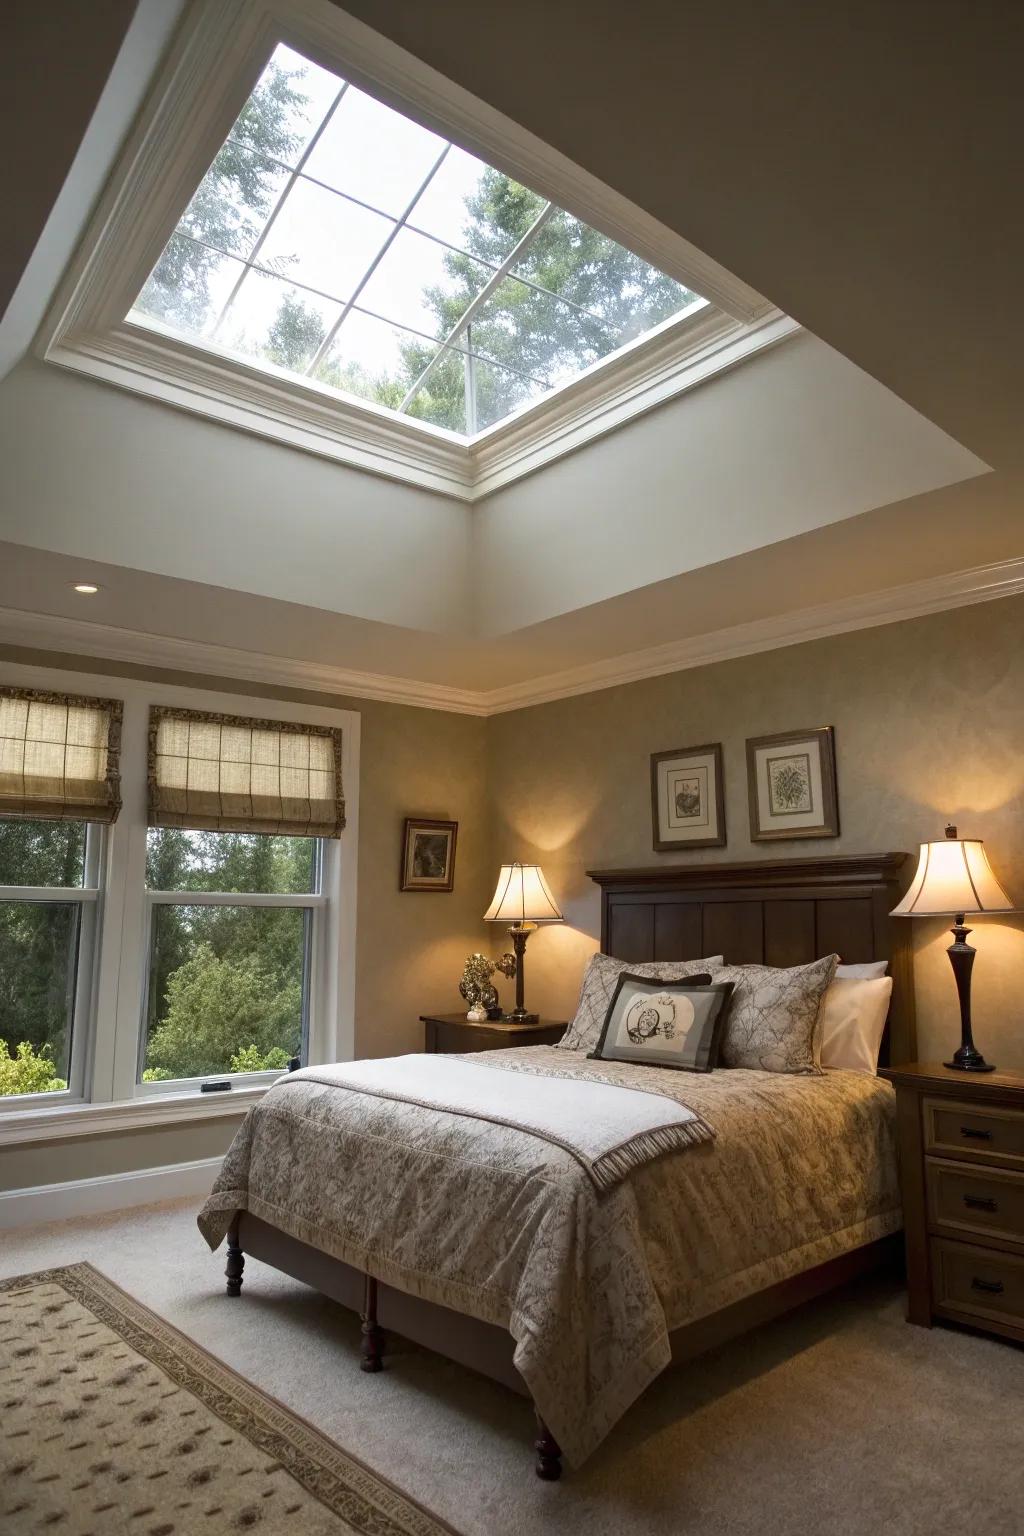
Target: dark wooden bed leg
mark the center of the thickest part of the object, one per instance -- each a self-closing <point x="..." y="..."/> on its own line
<point x="236" y="1261"/>
<point x="373" y="1336"/>
<point x="549" y="1453"/>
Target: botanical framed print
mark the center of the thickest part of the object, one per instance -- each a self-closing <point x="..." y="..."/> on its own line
<point x="428" y="854"/>
<point x="791" y="781"/>
<point x="687" y="801"/>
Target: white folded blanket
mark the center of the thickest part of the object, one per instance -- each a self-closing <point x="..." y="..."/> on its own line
<point x="608" y="1129"/>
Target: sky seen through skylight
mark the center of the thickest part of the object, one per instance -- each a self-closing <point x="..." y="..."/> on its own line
<point x="338" y="241"/>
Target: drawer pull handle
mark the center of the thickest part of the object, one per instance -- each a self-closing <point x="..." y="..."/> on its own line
<point x="980" y="1203"/>
<point x="992" y="1287"/>
<point x="974" y="1135"/>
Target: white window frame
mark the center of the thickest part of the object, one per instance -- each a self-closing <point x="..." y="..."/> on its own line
<point x="89" y="898"/>
<point x="109" y="1095"/>
<point x="316" y="902"/>
<point x="209" y="73"/>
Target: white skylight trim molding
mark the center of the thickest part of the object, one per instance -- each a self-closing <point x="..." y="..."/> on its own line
<point x="207" y="78"/>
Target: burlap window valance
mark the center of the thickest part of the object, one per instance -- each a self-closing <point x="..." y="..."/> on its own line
<point x="224" y="773"/>
<point x="59" y="756"/>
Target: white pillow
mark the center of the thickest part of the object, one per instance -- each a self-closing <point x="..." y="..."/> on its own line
<point x="869" y="970"/>
<point x="851" y="1022"/>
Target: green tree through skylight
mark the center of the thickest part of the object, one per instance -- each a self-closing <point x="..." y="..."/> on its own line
<point x="266" y="257"/>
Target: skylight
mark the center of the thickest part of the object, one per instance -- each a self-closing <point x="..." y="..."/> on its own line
<point x="336" y="241"/>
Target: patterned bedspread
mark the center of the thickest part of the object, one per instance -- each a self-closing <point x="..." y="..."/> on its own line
<point x="496" y="1223"/>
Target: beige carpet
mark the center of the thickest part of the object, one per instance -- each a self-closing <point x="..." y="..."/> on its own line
<point x="841" y="1420"/>
<point x="112" y="1420"/>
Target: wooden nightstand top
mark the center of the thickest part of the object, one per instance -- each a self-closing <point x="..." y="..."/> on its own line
<point x="933" y="1077"/>
<point x="502" y="1026"/>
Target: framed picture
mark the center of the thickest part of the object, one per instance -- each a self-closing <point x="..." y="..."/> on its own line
<point x="791" y="779"/>
<point x="687" y="801"/>
<point x="428" y="854"/>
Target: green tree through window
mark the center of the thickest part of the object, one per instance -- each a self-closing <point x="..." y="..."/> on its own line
<point x="225" y="987"/>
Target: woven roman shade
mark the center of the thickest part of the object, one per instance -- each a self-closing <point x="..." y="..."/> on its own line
<point x="59" y="756"/>
<point x="224" y="773"/>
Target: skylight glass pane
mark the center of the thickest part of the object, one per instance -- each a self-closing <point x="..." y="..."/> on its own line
<point x="373" y="154"/>
<point x="498" y="392"/>
<point x="189" y="287"/>
<point x="276" y="322"/>
<point x="323" y="240"/>
<point x="234" y="200"/>
<point x="422" y="285"/>
<point x="336" y="240"/>
<point x="371" y="359"/>
<point x="536" y="333"/>
<point x="287" y="107"/>
<point x="442" y="400"/>
<point x="474" y="208"/>
<point x="583" y="266"/>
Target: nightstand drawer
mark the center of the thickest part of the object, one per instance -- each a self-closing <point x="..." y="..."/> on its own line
<point x="970" y="1198"/>
<point x="977" y="1284"/>
<point x="967" y="1130"/>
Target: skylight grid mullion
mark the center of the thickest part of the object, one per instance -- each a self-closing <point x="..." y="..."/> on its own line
<point x="360" y="309"/>
<point x="325" y="186"/>
<point x="293" y="176"/>
<point x="469" y="383"/>
<point x="405" y="222"/>
<point x="561" y="299"/>
<point x="375" y="263"/>
<point x="476" y="304"/>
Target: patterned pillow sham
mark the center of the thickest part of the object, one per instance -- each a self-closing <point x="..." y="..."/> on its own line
<point x="599" y="981"/>
<point x="773" y="1021"/>
<point x="675" y="1024"/>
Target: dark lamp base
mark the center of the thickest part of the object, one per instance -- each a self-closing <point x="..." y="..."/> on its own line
<point x="961" y="957"/>
<point x="520" y="1016"/>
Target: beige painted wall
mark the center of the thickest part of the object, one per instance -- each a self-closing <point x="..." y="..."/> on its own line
<point x="410" y="946"/>
<point x="929" y="721"/>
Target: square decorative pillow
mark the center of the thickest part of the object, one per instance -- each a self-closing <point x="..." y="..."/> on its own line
<point x="665" y="1023"/>
<point x="599" y="980"/>
<point x="773" y="1021"/>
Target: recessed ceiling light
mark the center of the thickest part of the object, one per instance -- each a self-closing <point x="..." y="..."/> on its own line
<point x="88" y="587"/>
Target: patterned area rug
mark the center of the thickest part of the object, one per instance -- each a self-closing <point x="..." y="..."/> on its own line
<point x="111" y="1420"/>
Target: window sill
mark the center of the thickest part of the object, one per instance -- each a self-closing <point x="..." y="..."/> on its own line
<point x="51" y="1123"/>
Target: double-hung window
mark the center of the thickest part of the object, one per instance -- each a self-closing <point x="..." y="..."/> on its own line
<point x="177" y="898"/>
<point x="59" y="785"/>
<point x="240" y="812"/>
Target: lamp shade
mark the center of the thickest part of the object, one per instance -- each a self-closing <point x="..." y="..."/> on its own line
<point x="953" y="876"/>
<point x="522" y="896"/>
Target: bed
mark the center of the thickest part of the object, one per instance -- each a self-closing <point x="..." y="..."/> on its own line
<point x="482" y="1243"/>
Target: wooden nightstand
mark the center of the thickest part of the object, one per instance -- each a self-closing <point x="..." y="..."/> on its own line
<point x="449" y="1033"/>
<point x="961" y="1142"/>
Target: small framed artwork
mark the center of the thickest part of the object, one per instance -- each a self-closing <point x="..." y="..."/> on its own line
<point x="428" y="854"/>
<point x="687" y="801"/>
<point x="791" y="780"/>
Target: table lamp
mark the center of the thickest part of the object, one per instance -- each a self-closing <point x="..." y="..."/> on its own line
<point x="954" y="878"/>
<point x="522" y="899"/>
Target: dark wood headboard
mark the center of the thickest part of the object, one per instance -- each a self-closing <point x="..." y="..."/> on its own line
<point x="784" y="912"/>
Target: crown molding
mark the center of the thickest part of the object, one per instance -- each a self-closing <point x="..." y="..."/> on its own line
<point x="910" y="601"/>
<point x="81" y="637"/>
<point x="935" y="594"/>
